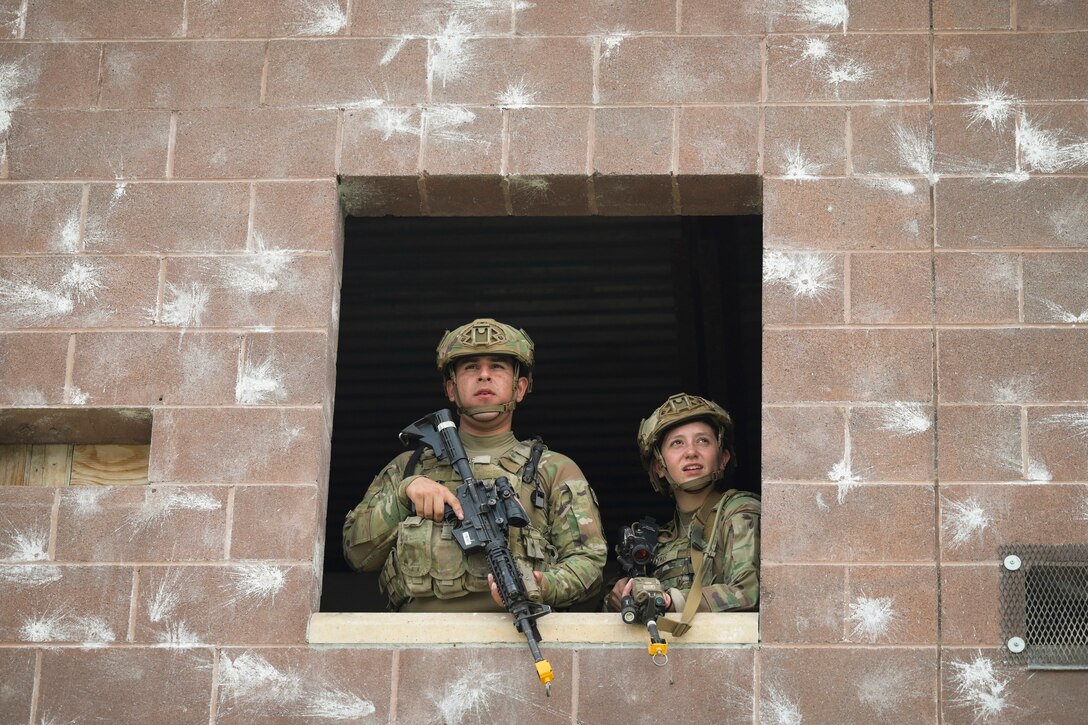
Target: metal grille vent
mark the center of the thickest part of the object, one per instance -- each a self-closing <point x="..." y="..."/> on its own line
<point x="1044" y="606"/>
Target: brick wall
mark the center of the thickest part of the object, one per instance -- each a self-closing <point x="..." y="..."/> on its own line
<point x="170" y="234"/>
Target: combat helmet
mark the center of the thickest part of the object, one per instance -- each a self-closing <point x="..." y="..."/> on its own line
<point x="683" y="408"/>
<point x="485" y="336"/>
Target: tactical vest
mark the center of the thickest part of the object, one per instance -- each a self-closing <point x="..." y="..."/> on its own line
<point x="426" y="561"/>
<point x="672" y="565"/>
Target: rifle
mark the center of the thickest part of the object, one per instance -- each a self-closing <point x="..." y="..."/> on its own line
<point x="646" y="602"/>
<point x="489" y="509"/>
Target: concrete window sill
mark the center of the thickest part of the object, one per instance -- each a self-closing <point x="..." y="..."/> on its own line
<point x="492" y="628"/>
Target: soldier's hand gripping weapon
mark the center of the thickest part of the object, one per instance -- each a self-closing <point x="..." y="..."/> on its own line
<point x="646" y="602"/>
<point x="489" y="509"/>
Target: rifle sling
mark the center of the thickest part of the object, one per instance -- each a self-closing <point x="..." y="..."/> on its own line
<point x="679" y="626"/>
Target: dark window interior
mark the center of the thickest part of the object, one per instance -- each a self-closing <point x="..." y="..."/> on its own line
<point x="623" y="311"/>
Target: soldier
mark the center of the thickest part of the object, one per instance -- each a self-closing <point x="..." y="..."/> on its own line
<point x="486" y="368"/>
<point x="686" y="447"/>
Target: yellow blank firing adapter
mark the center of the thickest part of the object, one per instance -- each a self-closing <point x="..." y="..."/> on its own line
<point x="544" y="671"/>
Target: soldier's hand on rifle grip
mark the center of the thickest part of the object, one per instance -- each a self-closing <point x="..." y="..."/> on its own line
<point x="431" y="498"/>
<point x="495" y="587"/>
<point x="616" y="595"/>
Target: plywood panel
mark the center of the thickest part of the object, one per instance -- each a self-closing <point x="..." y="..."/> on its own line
<point x="14" y="461"/>
<point x="50" y="465"/>
<point x="110" y="465"/>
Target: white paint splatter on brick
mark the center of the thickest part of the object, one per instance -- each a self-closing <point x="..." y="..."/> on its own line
<point x="161" y="503"/>
<point x="1048" y="150"/>
<point x="1081" y="510"/>
<point x="451" y="54"/>
<point x="1060" y="314"/>
<point x="963" y="521"/>
<point x="324" y="17"/>
<point x="178" y="635"/>
<point x="446" y="122"/>
<point x="825" y="13"/>
<point x="777" y="709"/>
<point x="808" y="275"/>
<point x="22" y="546"/>
<point x="815" y="49"/>
<point x="30" y="575"/>
<point x="255" y="582"/>
<point x="27" y="302"/>
<point x="1017" y="389"/>
<point x="85" y="500"/>
<point x="253" y="680"/>
<point x="184" y="306"/>
<point x="13" y="76"/>
<point x="13" y="20"/>
<point x="884" y="688"/>
<point x="990" y="104"/>
<point x="905" y="418"/>
<point x="842" y="474"/>
<point x="899" y="186"/>
<point x="1076" y="423"/>
<point x="74" y="396"/>
<point x="82" y="281"/>
<point x="516" y="95"/>
<point x="69" y="234"/>
<point x="260" y="272"/>
<point x="821" y="504"/>
<point x="915" y="149"/>
<point x="1038" y="472"/>
<point x="395" y="48"/>
<point x="797" y="166"/>
<point x="58" y="627"/>
<point x="611" y="42"/>
<point x="260" y="382"/>
<point x="873" y="618"/>
<point x="337" y="705"/>
<point x="469" y="694"/>
<point x="846" y="71"/>
<point x="394" y="122"/>
<point x="979" y="687"/>
<point x="1069" y="221"/>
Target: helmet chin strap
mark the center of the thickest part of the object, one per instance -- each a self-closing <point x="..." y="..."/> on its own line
<point x="694" y="485"/>
<point x="482" y="409"/>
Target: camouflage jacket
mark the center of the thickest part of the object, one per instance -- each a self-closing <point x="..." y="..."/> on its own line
<point x="564" y="539"/>
<point x="731" y="576"/>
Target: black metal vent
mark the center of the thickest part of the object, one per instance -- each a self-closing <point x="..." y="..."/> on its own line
<point x="1044" y="606"/>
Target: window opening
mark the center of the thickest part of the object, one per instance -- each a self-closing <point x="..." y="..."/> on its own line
<point x="623" y="312"/>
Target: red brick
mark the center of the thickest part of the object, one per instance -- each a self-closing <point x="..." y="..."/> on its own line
<point x="345" y="72"/>
<point x="39" y="218"/>
<point x="284" y="368"/>
<point x="465" y="196"/>
<point x="142" y="523"/>
<point x="462" y="140"/>
<point x="82" y="144"/>
<point x="77" y="291"/>
<point x="827" y="685"/>
<point x="979" y="288"/>
<point x="970" y="605"/>
<point x="1056" y="443"/>
<point x="33" y="365"/>
<point x="979" y="443"/>
<point x="374" y="196"/>
<point x="977" y="519"/>
<point x="971" y="14"/>
<point x="596" y="16"/>
<point x="976" y="685"/>
<point x="891" y="605"/>
<point x="891" y="288"/>
<point x="633" y="141"/>
<point x="718" y="140"/>
<point x="237" y="445"/>
<point x="119" y="685"/>
<point x="1048" y="15"/>
<point x="720" y="195"/>
<point x="177" y="75"/>
<point x="848" y="365"/>
<point x="803" y="287"/>
<point x="966" y="143"/>
<point x="174" y="217"/>
<point x="246" y="602"/>
<point x="156" y="368"/>
<point x="874" y="523"/>
<point x="297" y="215"/>
<point x="801" y="604"/>
<point x="893" y="442"/>
<point x="1013" y="365"/>
<point x="728" y="17"/>
<point x="805" y="141"/>
<point x="50" y="75"/>
<point x="846" y="214"/>
<point x="50" y="603"/>
<point x="801" y="443"/>
<point x="1054" y="288"/>
<point x="682" y="684"/>
<point x="422" y="17"/>
<point x="11" y="19"/>
<point x="381" y="141"/>
<point x="342" y="683"/>
<point x="72" y="19"/>
<point x="1036" y="213"/>
<point x="549" y="140"/>
<point x="646" y="69"/>
<point x="266" y="288"/>
<point x="623" y="195"/>
<point x="861" y="15"/>
<point x="549" y="195"/>
<point x="891" y="140"/>
<point x="513" y="72"/>
<point x="1034" y="66"/>
<point x="17" y="674"/>
<point x="25" y="535"/>
<point x="292" y="512"/>
<point x="268" y="142"/>
<point x="853" y="67"/>
<point x="266" y="18"/>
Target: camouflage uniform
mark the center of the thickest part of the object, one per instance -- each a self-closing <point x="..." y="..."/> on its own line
<point x="731" y="574"/>
<point x="418" y="558"/>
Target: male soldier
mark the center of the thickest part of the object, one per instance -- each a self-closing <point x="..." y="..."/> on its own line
<point x="486" y="367"/>
<point x="686" y="446"/>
